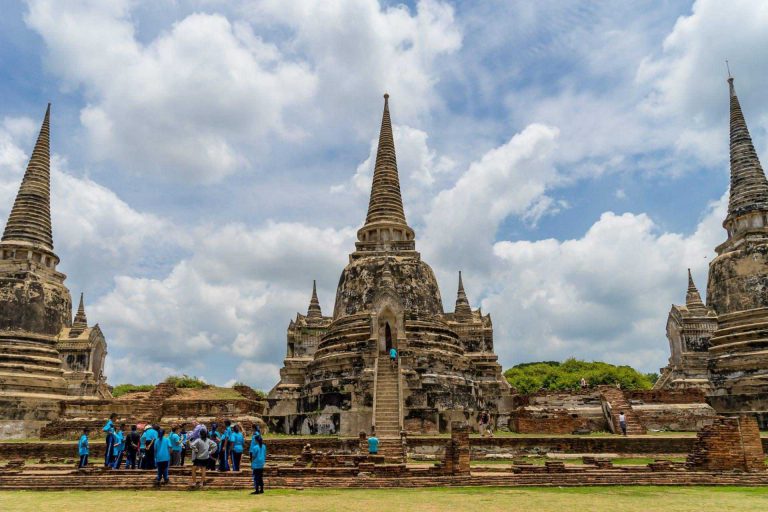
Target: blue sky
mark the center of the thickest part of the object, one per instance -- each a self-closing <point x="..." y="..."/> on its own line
<point x="212" y="158"/>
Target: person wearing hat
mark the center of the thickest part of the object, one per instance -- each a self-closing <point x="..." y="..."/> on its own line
<point x="148" y="438"/>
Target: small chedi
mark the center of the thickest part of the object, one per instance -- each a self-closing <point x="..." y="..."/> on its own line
<point x="45" y="358"/>
<point x="337" y="377"/>
<point x="731" y="328"/>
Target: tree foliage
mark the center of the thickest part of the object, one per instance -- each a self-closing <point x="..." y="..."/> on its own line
<point x="124" y="389"/>
<point x="185" y="381"/>
<point x="555" y="376"/>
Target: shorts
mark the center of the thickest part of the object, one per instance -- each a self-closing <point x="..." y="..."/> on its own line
<point x="201" y="463"/>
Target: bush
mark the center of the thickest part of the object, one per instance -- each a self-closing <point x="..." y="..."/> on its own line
<point x="185" y="381"/>
<point x="551" y="375"/>
<point x="261" y="394"/>
<point x="124" y="389"/>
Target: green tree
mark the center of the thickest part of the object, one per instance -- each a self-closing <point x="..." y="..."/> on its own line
<point x="554" y="376"/>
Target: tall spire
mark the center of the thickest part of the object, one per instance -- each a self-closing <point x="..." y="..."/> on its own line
<point x="749" y="188"/>
<point x="81" y="322"/>
<point x="462" y="311"/>
<point x="692" y="299"/>
<point x="30" y="218"/>
<point x="386" y="202"/>
<point x="314" y="312"/>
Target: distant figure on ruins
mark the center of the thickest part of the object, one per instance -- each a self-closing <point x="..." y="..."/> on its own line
<point x="109" y="428"/>
<point x="393" y="357"/>
<point x="82" y="449"/>
<point x="373" y="444"/>
<point x="583" y="383"/>
<point x="258" y="454"/>
<point x="162" y="457"/>
<point x="623" y="423"/>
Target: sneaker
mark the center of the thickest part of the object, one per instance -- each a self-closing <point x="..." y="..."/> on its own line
<point x="255" y="492"/>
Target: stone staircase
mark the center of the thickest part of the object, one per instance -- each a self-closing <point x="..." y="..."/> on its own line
<point x="151" y="409"/>
<point x="618" y="402"/>
<point x="387" y="414"/>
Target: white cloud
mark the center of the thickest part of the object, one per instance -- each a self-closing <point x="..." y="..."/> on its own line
<point x="182" y="105"/>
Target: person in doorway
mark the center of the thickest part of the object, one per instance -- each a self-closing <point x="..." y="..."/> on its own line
<point x="258" y="454"/>
<point x="132" y="448"/>
<point x="393" y="357"/>
<point x="83" y="449"/>
<point x="201" y="453"/>
<point x="162" y="457"/>
<point x="109" y="430"/>
<point x="623" y="423"/>
<point x="373" y="444"/>
<point x="175" y="439"/>
<point x="238" y="444"/>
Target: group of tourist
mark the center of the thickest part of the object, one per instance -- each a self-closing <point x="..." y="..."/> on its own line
<point x="219" y="447"/>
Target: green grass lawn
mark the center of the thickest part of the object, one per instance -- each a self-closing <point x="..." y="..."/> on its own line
<point x="593" y="499"/>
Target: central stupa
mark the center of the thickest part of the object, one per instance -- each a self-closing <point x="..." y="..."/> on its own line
<point x="337" y="376"/>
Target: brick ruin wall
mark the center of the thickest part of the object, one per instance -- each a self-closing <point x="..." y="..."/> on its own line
<point x="729" y="444"/>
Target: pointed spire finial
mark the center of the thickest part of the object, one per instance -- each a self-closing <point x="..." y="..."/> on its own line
<point x="314" y="312"/>
<point x="749" y="187"/>
<point x="30" y="218"/>
<point x="462" y="311"/>
<point x="80" y="323"/>
<point x="692" y="298"/>
<point x="728" y="67"/>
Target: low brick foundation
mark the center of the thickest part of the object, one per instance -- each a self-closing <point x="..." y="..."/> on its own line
<point x="729" y="444"/>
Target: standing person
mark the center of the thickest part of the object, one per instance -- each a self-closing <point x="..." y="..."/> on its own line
<point x="373" y="444"/>
<point x="583" y="383"/>
<point x="131" y="448"/>
<point x="162" y="456"/>
<point x="118" y="447"/>
<point x="83" y="449"/>
<point x="175" y="447"/>
<point x="393" y="357"/>
<point x="224" y="446"/>
<point x="481" y="424"/>
<point x="184" y="442"/>
<point x="109" y="429"/>
<point x="623" y="423"/>
<point x="215" y="436"/>
<point x="258" y="454"/>
<point x="489" y="424"/>
<point x="149" y="436"/>
<point x="201" y="453"/>
<point x="238" y="444"/>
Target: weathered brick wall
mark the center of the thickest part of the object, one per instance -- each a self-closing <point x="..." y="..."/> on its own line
<point x="550" y="422"/>
<point x="729" y="444"/>
<point x="662" y="396"/>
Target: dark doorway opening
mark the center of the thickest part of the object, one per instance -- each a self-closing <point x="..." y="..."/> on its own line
<point x="388" y="337"/>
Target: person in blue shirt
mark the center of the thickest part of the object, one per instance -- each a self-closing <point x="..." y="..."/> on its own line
<point x="225" y="447"/>
<point x="258" y="453"/>
<point x="175" y="447"/>
<point x="238" y="444"/>
<point x="109" y="429"/>
<point x="393" y="357"/>
<point x="184" y="440"/>
<point x="118" y="447"/>
<point x="215" y="436"/>
<point x="373" y="445"/>
<point x="82" y="449"/>
<point x="162" y="456"/>
<point x="148" y="437"/>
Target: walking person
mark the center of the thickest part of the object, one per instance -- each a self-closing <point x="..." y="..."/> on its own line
<point x="118" y="447"/>
<point x="393" y="357"/>
<point x="109" y="429"/>
<point x="201" y="452"/>
<point x="83" y="449"/>
<point x="258" y="454"/>
<point x="131" y="448"/>
<point x="238" y="444"/>
<point x="175" y="447"/>
<point x="623" y="423"/>
<point x="162" y="457"/>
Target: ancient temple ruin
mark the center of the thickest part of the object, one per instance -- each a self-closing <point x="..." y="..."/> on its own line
<point x="44" y="357"/>
<point x="732" y="326"/>
<point x="689" y="331"/>
<point x="337" y="377"/>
